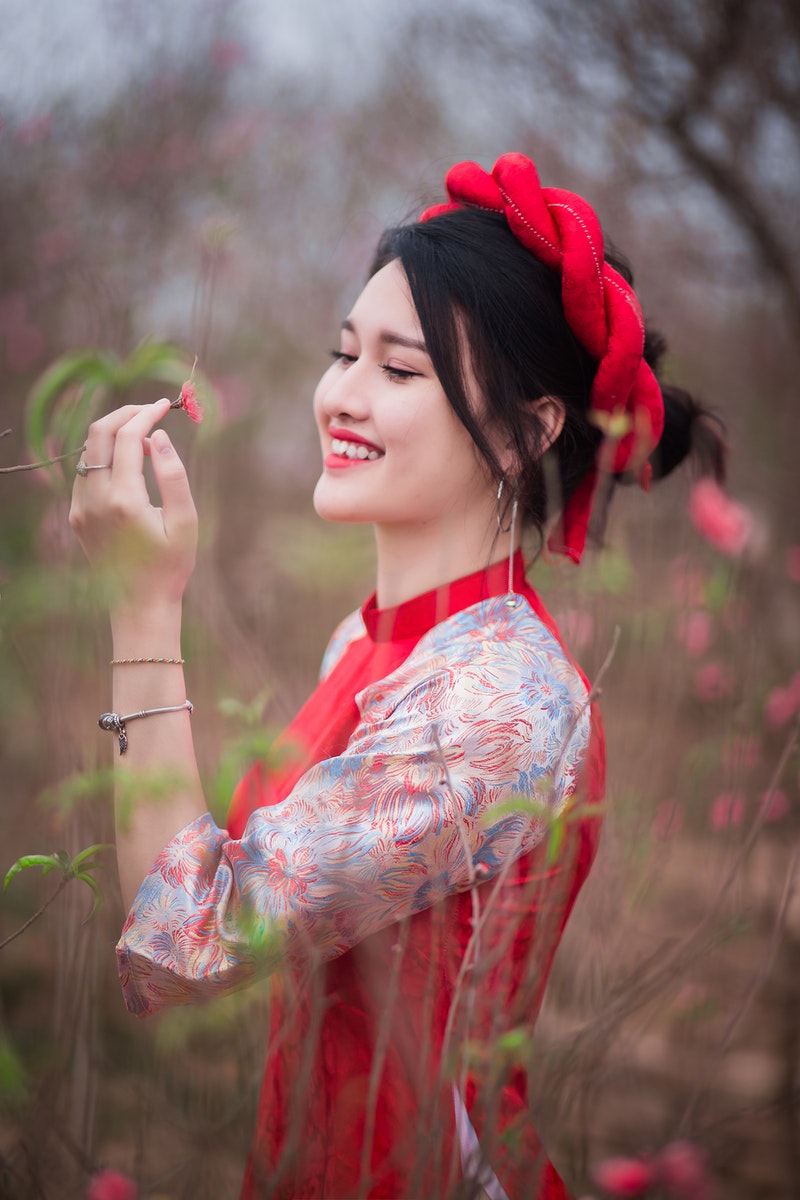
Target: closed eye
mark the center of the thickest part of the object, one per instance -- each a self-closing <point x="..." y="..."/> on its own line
<point x="398" y="374"/>
<point x="341" y="357"/>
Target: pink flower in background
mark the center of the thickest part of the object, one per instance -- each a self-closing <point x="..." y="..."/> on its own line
<point x="34" y="130"/>
<point x="227" y="54"/>
<point x="111" y="1185"/>
<point x="694" y="632"/>
<point x="625" y="1176"/>
<point x="682" y="1168"/>
<point x="773" y="806"/>
<point x="54" y="246"/>
<point x="783" y="703"/>
<point x="719" y="519"/>
<point x="793" y="563"/>
<point x="727" y="809"/>
<point x="713" y="681"/>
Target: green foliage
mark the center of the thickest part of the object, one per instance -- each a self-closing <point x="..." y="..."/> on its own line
<point x="80" y="867"/>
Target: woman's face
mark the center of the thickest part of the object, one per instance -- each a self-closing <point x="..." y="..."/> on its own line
<point x="394" y="451"/>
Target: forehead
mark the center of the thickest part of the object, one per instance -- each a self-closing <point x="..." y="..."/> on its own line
<point x="385" y="302"/>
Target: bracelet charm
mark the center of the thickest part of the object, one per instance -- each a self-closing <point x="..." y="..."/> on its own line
<point x="114" y="723"/>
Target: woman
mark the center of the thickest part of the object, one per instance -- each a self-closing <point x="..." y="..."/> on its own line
<point x="395" y="874"/>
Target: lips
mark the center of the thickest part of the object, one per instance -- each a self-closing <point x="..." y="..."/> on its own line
<point x="347" y="448"/>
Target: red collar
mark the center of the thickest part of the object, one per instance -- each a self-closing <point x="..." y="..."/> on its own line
<point x="415" y="617"/>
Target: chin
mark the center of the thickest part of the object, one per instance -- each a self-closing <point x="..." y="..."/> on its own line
<point x="336" y="508"/>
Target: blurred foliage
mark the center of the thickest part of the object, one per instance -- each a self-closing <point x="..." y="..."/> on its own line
<point x="208" y="207"/>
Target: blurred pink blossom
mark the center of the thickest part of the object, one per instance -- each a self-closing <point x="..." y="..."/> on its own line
<point x="54" y="246"/>
<point x="773" y="805"/>
<point x="722" y="521"/>
<point x="227" y="53"/>
<point x="694" y="631"/>
<point x="683" y="1169"/>
<point x="713" y="681"/>
<point x="727" y="809"/>
<point x="793" y="563"/>
<point x="111" y="1185"/>
<point x="783" y="703"/>
<point x="625" y="1176"/>
<point x="34" y="130"/>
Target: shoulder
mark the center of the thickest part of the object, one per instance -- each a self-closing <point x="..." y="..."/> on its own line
<point x="346" y="632"/>
<point x="486" y="656"/>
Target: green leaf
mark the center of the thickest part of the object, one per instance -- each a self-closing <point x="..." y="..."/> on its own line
<point x="46" y="861"/>
<point x="555" y="841"/>
<point x="98" y="895"/>
<point x="77" y="367"/>
<point x="89" y="852"/>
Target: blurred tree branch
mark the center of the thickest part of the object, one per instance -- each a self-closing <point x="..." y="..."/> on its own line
<point x="716" y="86"/>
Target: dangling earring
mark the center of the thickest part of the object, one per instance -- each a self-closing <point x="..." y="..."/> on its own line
<point x="511" y="599"/>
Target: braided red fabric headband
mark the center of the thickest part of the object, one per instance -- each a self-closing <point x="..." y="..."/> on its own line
<point x="601" y="308"/>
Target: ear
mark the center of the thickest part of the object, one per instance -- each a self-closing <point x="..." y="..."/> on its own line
<point x="552" y="414"/>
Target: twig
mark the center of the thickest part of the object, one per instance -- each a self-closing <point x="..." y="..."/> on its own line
<point x="45" y="462"/>
<point x="62" y="884"/>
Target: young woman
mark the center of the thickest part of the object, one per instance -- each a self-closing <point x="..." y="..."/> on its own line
<point x="396" y="875"/>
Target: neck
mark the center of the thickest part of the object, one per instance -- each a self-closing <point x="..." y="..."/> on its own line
<point x="414" y="561"/>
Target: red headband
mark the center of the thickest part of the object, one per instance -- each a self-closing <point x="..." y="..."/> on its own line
<point x="602" y="311"/>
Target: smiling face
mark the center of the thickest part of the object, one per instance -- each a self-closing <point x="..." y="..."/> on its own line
<point x="394" y="452"/>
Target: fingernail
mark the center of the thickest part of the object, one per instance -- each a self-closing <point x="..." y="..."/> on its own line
<point x="160" y="439"/>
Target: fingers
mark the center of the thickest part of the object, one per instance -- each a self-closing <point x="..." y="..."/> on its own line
<point x="180" y="516"/>
<point x="128" y="443"/>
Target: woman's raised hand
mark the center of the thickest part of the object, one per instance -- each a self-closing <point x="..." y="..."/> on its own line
<point x="150" y="552"/>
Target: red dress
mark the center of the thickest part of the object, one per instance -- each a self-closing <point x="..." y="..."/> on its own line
<point x="403" y="854"/>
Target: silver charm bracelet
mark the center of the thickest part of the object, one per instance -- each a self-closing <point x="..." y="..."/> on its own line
<point x="114" y="723"/>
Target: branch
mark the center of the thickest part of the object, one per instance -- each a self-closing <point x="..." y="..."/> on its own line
<point x="45" y="462"/>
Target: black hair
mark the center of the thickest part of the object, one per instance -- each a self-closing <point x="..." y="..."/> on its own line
<point x="477" y="289"/>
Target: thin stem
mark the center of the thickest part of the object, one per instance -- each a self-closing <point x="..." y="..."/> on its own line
<point x="64" y="881"/>
<point x="45" y="462"/>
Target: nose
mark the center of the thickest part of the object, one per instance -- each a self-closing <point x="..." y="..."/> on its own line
<point x="341" y="393"/>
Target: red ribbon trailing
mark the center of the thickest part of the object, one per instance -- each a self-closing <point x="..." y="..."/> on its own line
<point x="601" y="308"/>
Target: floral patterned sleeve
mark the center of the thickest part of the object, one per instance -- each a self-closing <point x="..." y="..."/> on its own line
<point x="486" y="709"/>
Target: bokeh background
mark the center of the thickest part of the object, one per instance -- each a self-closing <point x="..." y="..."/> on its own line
<point x="214" y="174"/>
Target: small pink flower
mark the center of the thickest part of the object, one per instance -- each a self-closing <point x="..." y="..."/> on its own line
<point x="682" y="1168"/>
<point x="773" y="805"/>
<point x="625" y="1176"/>
<point x="188" y="401"/>
<point x="727" y="809"/>
<point x="713" y="681"/>
<point x="783" y="703"/>
<point x="694" y="632"/>
<point x="719" y="519"/>
<point x="111" y="1185"/>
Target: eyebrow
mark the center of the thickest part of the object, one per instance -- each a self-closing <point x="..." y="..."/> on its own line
<point x="388" y="338"/>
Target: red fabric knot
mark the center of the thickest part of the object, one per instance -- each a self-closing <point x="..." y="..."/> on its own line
<point x="562" y="230"/>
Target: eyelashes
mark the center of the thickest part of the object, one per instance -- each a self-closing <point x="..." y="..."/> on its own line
<point x="397" y="374"/>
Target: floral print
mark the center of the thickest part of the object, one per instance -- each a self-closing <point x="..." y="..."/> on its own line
<point x="487" y="709"/>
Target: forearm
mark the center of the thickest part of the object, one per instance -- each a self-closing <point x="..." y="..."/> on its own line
<point x="157" y="784"/>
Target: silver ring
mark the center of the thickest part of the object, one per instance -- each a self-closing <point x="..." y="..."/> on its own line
<point x="83" y="468"/>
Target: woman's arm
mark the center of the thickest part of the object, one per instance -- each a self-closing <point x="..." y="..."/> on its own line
<point x="144" y="555"/>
